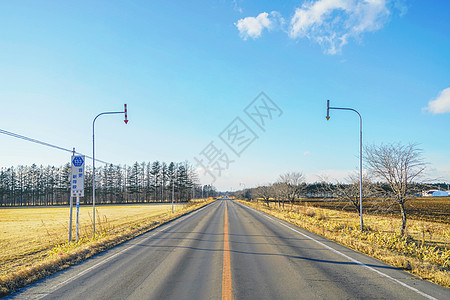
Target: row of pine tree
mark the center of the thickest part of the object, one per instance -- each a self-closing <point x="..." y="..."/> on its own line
<point x="139" y="183"/>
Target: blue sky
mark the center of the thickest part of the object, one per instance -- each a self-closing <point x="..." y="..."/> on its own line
<point x="187" y="69"/>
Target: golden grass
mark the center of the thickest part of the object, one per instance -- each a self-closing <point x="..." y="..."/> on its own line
<point x="423" y="251"/>
<point x="26" y="231"/>
<point x="34" y="240"/>
<point x="433" y="209"/>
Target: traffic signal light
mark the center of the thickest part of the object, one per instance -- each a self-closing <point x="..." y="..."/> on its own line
<point x="328" y="109"/>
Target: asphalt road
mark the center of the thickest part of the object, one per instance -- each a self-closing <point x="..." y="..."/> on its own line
<point x="226" y="250"/>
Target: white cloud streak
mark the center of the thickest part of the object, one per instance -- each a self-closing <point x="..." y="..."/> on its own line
<point x="330" y="23"/>
<point x="441" y="104"/>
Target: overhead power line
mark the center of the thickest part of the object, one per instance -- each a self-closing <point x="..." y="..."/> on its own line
<point x="45" y="144"/>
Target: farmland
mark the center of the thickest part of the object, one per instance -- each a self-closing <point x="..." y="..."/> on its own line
<point x="28" y="234"/>
<point x="432" y="209"/>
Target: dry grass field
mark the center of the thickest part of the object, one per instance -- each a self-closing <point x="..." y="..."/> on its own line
<point x="27" y="233"/>
<point x="433" y="209"/>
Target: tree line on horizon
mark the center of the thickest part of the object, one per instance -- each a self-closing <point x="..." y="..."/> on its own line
<point x="115" y="184"/>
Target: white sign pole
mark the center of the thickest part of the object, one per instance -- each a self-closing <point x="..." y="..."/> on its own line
<point x="78" y="214"/>
<point x="77" y="188"/>
<point x="70" y="220"/>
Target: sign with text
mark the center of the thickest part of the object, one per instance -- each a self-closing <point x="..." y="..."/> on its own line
<point x="77" y="176"/>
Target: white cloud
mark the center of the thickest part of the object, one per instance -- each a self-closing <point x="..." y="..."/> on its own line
<point x="441" y="104"/>
<point x="253" y="27"/>
<point x="330" y="23"/>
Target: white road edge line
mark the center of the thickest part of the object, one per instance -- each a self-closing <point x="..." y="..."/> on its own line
<point x="67" y="281"/>
<point x="347" y="257"/>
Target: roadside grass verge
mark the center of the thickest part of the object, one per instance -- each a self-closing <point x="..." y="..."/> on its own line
<point x="114" y="225"/>
<point x="426" y="259"/>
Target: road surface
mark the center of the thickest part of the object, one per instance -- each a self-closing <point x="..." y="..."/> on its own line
<point x="227" y="250"/>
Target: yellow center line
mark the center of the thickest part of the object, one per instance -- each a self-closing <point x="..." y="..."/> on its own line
<point x="226" y="278"/>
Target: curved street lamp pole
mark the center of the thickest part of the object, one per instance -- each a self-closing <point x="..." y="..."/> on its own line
<point x="360" y="154"/>
<point x="93" y="158"/>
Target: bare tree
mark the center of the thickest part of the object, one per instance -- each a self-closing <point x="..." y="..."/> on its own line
<point x="350" y="192"/>
<point x="294" y="184"/>
<point x="265" y="192"/>
<point x="399" y="165"/>
<point x="280" y="191"/>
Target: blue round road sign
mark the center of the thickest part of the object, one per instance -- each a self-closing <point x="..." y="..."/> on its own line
<point x="78" y="161"/>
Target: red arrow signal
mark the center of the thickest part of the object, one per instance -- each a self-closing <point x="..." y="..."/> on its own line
<point x="126" y="117"/>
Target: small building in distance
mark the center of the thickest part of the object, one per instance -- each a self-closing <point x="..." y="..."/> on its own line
<point x="435" y="193"/>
